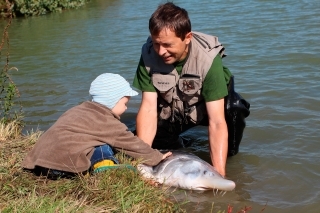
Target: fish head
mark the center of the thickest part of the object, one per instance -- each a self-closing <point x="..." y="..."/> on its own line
<point x="200" y="176"/>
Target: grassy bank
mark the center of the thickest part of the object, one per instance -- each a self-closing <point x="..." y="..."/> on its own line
<point x="117" y="190"/>
<point x="120" y="190"/>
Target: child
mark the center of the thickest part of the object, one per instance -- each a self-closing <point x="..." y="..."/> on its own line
<point x="84" y="137"/>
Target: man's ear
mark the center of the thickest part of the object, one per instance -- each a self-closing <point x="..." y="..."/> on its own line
<point x="188" y="37"/>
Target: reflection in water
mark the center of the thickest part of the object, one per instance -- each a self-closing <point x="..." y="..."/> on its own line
<point x="202" y="201"/>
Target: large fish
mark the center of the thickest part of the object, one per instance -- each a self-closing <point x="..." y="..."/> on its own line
<point x="186" y="171"/>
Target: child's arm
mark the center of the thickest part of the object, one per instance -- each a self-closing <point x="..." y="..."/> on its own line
<point x="165" y="155"/>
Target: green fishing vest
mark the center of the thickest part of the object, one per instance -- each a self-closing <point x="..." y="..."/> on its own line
<point x="181" y="94"/>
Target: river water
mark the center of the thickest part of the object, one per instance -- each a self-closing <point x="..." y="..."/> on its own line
<point x="273" y="51"/>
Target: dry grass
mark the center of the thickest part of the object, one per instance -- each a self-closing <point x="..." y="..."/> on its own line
<point x="119" y="190"/>
<point x="10" y="131"/>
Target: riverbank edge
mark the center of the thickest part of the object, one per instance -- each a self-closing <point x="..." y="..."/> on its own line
<point x="118" y="190"/>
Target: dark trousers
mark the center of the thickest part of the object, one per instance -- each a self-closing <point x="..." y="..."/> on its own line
<point x="168" y="134"/>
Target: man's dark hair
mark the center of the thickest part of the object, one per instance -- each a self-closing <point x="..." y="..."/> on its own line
<point x="170" y="16"/>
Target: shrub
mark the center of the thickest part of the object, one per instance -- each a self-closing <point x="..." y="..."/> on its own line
<point x="38" y="7"/>
<point x="9" y="93"/>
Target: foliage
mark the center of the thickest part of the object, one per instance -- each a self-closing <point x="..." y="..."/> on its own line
<point x="9" y="93"/>
<point x="39" y="7"/>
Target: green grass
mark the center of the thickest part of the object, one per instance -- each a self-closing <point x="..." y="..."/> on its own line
<point x="117" y="190"/>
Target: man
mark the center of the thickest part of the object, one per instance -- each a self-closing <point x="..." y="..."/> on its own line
<point x="184" y="84"/>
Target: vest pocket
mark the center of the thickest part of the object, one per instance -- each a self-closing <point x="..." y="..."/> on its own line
<point x="190" y="85"/>
<point x="163" y="82"/>
<point x="165" y="112"/>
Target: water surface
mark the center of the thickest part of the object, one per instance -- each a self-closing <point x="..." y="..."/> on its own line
<point x="273" y="51"/>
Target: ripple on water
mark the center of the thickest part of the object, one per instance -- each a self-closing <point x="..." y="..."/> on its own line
<point x="273" y="51"/>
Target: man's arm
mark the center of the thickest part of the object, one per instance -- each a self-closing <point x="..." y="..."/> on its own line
<point x="147" y="117"/>
<point x="218" y="135"/>
<point x="146" y="120"/>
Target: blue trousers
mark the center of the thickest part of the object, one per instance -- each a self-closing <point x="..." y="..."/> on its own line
<point x="103" y="152"/>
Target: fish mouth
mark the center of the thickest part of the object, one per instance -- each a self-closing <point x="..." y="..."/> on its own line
<point x="202" y="188"/>
<point x="225" y="185"/>
<point x="221" y="185"/>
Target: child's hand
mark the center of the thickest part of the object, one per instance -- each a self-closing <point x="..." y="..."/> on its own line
<point x="164" y="156"/>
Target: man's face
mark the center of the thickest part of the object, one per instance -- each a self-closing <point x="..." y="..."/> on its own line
<point x="170" y="47"/>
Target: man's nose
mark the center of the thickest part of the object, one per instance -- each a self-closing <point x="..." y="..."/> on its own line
<point x="162" y="51"/>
